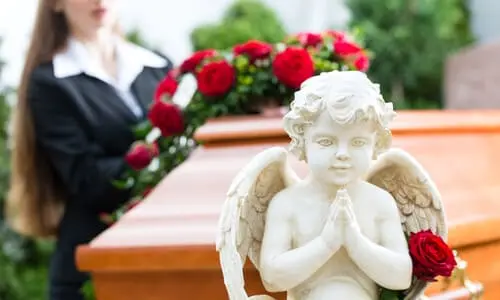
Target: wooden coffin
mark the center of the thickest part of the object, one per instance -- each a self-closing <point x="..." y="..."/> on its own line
<point x="164" y="248"/>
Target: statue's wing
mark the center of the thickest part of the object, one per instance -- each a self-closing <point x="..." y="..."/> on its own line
<point x="416" y="195"/>
<point x="242" y="221"/>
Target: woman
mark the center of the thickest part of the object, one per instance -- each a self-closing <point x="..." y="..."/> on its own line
<point x="82" y="89"/>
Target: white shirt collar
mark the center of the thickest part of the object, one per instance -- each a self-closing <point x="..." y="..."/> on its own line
<point x="132" y="59"/>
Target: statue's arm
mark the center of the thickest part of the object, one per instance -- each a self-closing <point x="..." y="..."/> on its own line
<point x="281" y="266"/>
<point x="388" y="264"/>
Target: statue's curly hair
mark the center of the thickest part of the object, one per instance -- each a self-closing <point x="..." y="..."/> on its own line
<point x="349" y="97"/>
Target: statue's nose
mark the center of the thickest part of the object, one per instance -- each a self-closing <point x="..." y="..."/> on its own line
<point x="342" y="153"/>
<point x="342" y="156"/>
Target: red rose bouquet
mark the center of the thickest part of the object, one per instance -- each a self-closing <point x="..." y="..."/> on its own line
<point x="149" y="159"/>
<point x="254" y="75"/>
<point x="242" y="80"/>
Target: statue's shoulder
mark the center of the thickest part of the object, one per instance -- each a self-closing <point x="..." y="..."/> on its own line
<point x="377" y="191"/>
<point x="288" y="198"/>
<point x="380" y="198"/>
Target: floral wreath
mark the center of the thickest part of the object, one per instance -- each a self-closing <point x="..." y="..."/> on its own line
<point x="241" y="80"/>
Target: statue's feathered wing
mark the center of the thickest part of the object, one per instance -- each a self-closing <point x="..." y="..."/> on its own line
<point x="242" y="220"/>
<point x="416" y="195"/>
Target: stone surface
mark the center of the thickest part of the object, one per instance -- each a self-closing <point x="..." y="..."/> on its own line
<point x="471" y="78"/>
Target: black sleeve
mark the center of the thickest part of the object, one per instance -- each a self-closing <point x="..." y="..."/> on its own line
<point x="58" y="130"/>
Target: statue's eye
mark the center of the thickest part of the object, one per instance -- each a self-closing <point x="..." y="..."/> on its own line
<point x="325" y="142"/>
<point x="358" y="142"/>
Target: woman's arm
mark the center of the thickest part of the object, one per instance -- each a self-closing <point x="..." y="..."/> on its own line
<point x="57" y="129"/>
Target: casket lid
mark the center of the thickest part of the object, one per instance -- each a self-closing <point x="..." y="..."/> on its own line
<point x="175" y="227"/>
<point x="243" y="130"/>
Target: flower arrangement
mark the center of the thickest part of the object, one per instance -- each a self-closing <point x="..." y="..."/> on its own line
<point x="431" y="257"/>
<point x="246" y="79"/>
<point x="255" y="75"/>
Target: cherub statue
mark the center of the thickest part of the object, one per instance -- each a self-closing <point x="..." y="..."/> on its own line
<point x="339" y="233"/>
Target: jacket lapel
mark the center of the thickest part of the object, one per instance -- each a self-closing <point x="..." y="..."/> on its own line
<point x="143" y="88"/>
<point x="104" y="96"/>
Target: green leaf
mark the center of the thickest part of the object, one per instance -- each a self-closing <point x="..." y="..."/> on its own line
<point x="142" y="129"/>
<point x="243" y="89"/>
<point x="88" y="290"/>
<point x="390" y="295"/>
<point x="124" y="184"/>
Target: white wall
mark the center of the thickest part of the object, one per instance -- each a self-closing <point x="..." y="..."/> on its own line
<point x="16" y="19"/>
<point x="164" y="23"/>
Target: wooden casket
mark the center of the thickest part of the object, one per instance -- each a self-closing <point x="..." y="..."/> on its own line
<point x="164" y="248"/>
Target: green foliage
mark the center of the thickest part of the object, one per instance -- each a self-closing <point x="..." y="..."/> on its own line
<point x="23" y="262"/>
<point x="411" y="40"/>
<point x="242" y="21"/>
<point x="134" y="36"/>
<point x="4" y="153"/>
<point x="391" y="295"/>
<point x="27" y="279"/>
<point x="88" y="290"/>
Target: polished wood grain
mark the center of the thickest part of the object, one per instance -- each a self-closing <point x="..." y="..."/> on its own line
<point x="164" y="248"/>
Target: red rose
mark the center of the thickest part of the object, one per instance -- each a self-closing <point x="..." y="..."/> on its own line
<point x="346" y="48"/>
<point x="190" y="64"/>
<point x="362" y="63"/>
<point x="431" y="256"/>
<point x="293" y="66"/>
<point x="216" y="78"/>
<point x="310" y="39"/>
<point x="167" y="117"/>
<point x="253" y="49"/>
<point x="140" y="155"/>
<point x="166" y="88"/>
<point x="174" y="73"/>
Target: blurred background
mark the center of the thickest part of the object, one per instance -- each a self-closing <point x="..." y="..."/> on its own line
<point x="423" y="54"/>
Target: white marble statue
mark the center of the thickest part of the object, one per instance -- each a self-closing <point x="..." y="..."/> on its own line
<point x="339" y="233"/>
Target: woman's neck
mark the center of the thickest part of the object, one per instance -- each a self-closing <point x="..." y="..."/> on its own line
<point x="101" y="47"/>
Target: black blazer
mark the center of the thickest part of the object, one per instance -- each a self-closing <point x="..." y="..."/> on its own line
<point x="83" y="129"/>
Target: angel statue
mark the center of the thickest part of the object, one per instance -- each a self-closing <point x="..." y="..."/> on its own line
<point x="339" y="233"/>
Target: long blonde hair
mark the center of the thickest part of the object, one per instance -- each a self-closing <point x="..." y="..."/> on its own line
<point x="35" y="202"/>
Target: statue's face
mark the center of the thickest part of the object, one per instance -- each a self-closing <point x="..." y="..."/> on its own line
<point x="339" y="154"/>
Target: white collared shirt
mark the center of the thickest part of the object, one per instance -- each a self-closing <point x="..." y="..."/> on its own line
<point x="131" y="59"/>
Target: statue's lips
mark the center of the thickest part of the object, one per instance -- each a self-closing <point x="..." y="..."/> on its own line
<point x="340" y="168"/>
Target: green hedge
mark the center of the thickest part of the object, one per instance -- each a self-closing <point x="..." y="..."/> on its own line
<point x="243" y="20"/>
<point x="25" y="279"/>
<point x="23" y="262"/>
<point x="411" y="41"/>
